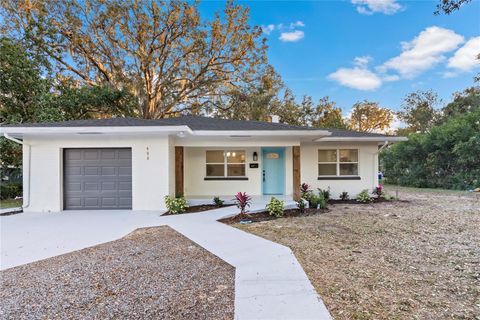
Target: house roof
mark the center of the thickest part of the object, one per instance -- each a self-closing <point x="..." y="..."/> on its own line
<point x="195" y="123"/>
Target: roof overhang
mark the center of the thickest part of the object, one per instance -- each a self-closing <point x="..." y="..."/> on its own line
<point x="362" y="139"/>
<point x="270" y="133"/>
<point x="19" y="132"/>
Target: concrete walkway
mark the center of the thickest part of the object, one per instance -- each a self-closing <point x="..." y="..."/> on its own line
<point x="269" y="284"/>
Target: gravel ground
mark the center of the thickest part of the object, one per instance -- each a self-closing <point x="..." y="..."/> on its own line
<point x="150" y="273"/>
<point x="417" y="259"/>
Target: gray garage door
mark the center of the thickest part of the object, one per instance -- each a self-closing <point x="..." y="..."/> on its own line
<point x="97" y="178"/>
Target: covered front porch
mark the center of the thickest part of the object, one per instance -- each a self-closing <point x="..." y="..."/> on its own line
<point x="203" y="172"/>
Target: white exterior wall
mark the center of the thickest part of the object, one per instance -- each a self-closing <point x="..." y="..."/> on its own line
<point x="195" y="171"/>
<point x="367" y="168"/>
<point x="151" y="175"/>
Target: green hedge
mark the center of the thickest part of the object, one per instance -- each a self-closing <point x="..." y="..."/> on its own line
<point x="10" y="190"/>
<point x="446" y="157"/>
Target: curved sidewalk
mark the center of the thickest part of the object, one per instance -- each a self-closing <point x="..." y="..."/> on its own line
<point x="269" y="284"/>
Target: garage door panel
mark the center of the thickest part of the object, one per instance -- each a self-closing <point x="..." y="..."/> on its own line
<point x="90" y="154"/>
<point x="109" y="186"/>
<point x="98" y="178"/>
<point x="74" y="202"/>
<point x="91" y="202"/>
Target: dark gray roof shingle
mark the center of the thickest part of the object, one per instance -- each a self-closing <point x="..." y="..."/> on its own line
<point x="194" y="123"/>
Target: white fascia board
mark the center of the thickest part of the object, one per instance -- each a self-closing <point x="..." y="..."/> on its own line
<point x="94" y="130"/>
<point x="359" y="139"/>
<point x="308" y="133"/>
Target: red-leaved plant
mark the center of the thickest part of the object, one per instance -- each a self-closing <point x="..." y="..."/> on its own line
<point x="242" y="200"/>
<point x="378" y="191"/>
<point x="304" y="188"/>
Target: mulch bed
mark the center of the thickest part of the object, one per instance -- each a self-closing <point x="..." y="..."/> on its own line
<point x="200" y="208"/>
<point x="264" y="216"/>
<point x="152" y="273"/>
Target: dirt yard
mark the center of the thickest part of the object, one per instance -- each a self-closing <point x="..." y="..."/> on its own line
<point x="152" y="273"/>
<point x="414" y="259"/>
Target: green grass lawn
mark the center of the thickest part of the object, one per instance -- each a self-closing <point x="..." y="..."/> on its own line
<point x="10" y="203"/>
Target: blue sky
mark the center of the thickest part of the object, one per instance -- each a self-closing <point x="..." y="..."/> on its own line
<point x="378" y="50"/>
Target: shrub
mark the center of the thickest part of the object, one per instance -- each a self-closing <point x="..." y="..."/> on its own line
<point x="364" y="197"/>
<point x="301" y="205"/>
<point x="344" y="196"/>
<point x="10" y="190"/>
<point x="217" y="201"/>
<point x="275" y="207"/>
<point x="325" y="193"/>
<point x="317" y="201"/>
<point x="242" y="200"/>
<point x="387" y="197"/>
<point x="176" y="205"/>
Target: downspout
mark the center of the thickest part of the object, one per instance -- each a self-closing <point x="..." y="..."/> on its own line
<point x="375" y="168"/>
<point x="26" y="200"/>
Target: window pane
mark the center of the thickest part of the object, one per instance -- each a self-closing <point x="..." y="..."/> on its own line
<point x="236" y="170"/>
<point x="327" y="169"/>
<point x="236" y="156"/>
<point x="349" y="169"/>
<point x="349" y="155"/>
<point x="215" y="156"/>
<point x="327" y="155"/>
<point x="215" y="170"/>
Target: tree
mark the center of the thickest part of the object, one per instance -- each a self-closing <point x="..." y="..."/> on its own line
<point x="23" y="90"/>
<point x="257" y="101"/>
<point x="369" y="116"/>
<point x="449" y="6"/>
<point x="160" y="51"/>
<point x="28" y="94"/>
<point x="328" y="115"/>
<point x="419" y="111"/>
<point x="463" y="102"/>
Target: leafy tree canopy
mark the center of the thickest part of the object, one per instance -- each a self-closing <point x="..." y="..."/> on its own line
<point x="419" y="111"/>
<point x="161" y="52"/>
<point x="369" y="116"/>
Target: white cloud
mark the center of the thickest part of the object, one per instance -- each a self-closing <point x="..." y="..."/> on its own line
<point x="423" y="52"/>
<point x="465" y="58"/>
<point x="358" y="77"/>
<point x="362" y="61"/>
<point x="268" y="29"/>
<point x="390" y="78"/>
<point x="298" y="23"/>
<point x="293" y="36"/>
<point x="369" y="7"/>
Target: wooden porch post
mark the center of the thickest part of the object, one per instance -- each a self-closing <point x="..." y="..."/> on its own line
<point x="296" y="172"/>
<point x="178" y="171"/>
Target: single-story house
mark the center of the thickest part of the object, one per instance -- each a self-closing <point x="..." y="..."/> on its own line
<point x="126" y="163"/>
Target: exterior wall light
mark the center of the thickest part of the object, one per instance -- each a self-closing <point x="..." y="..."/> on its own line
<point x="255" y="156"/>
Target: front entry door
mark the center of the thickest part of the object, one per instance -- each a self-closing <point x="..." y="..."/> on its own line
<point x="273" y="170"/>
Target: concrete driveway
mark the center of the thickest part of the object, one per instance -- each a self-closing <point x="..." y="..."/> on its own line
<point x="269" y="281"/>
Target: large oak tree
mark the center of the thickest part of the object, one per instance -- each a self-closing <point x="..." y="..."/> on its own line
<point x="162" y="52"/>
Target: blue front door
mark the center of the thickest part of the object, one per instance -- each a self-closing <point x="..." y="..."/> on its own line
<point x="273" y="170"/>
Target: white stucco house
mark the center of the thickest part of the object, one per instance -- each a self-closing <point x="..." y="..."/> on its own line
<point x="126" y="163"/>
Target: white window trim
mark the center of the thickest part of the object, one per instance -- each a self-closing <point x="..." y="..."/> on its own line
<point x="338" y="163"/>
<point x="226" y="163"/>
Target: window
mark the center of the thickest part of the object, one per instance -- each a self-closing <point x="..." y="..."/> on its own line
<point x="338" y="162"/>
<point x="225" y="163"/>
